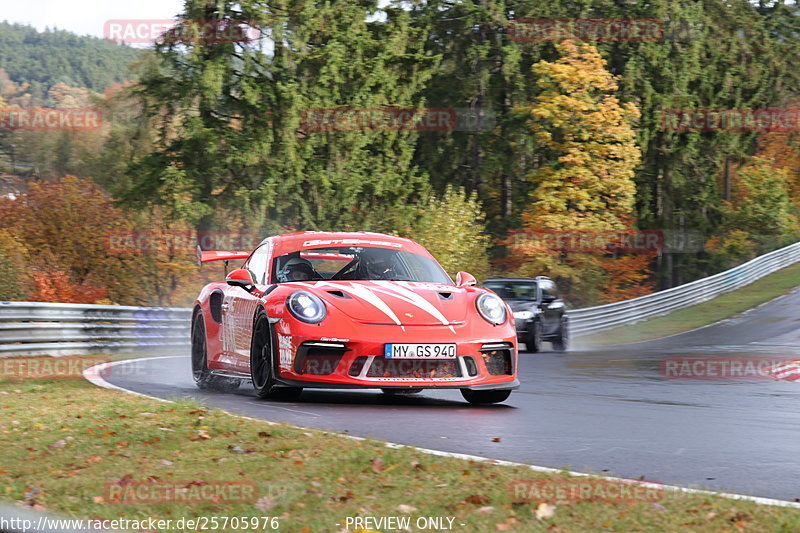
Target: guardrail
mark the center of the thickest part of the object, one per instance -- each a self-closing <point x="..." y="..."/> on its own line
<point x="35" y="328"/>
<point x="603" y="317"/>
<point x="31" y="328"/>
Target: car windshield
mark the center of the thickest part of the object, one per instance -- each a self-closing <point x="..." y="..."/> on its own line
<point x="513" y="290"/>
<point x="357" y="263"/>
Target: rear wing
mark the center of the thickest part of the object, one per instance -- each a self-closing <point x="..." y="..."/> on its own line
<point x="206" y="256"/>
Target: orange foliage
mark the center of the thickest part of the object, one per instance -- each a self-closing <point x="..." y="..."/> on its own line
<point x="56" y="286"/>
<point x="627" y="277"/>
<point x="783" y="150"/>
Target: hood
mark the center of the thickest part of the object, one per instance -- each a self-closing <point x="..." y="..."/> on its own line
<point x="405" y="303"/>
<point x="521" y="305"/>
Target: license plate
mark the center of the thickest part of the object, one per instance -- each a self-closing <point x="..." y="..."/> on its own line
<point x="420" y="351"/>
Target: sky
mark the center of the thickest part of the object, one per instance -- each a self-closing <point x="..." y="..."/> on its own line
<point x="85" y="17"/>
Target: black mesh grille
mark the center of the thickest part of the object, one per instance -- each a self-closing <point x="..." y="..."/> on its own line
<point x="413" y="368"/>
<point x="317" y="360"/>
<point x="498" y="358"/>
<point x="357" y="366"/>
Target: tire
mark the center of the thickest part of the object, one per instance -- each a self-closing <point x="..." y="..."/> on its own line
<point x="262" y="365"/>
<point x="533" y="342"/>
<point x="203" y="377"/>
<point x="561" y="343"/>
<point x="485" y="397"/>
<point x="397" y="392"/>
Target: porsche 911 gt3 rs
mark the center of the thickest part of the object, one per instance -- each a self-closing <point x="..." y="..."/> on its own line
<point x="350" y="310"/>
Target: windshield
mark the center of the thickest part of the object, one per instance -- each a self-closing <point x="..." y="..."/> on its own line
<point x="513" y="290"/>
<point x="357" y="263"/>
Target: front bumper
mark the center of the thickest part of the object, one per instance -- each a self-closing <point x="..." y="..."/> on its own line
<point x="482" y="363"/>
<point x="509" y="385"/>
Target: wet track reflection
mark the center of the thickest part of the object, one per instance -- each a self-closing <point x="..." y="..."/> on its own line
<point x="606" y="410"/>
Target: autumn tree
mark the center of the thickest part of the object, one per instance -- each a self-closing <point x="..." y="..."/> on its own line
<point x="14" y="277"/>
<point x="453" y="228"/>
<point x="758" y="218"/>
<point x="77" y="247"/>
<point x="588" y="144"/>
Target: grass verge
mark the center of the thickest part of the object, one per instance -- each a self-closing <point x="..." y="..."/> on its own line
<point x="85" y="452"/>
<point x="719" y="308"/>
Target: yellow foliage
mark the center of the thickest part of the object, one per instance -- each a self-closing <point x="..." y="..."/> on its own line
<point x="451" y="227"/>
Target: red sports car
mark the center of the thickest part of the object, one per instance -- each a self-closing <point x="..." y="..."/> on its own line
<point x="350" y="310"/>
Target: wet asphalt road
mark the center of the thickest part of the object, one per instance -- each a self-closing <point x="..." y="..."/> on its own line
<point x="602" y="410"/>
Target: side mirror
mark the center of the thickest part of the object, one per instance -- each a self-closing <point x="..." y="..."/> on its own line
<point x="241" y="277"/>
<point x="548" y="298"/>
<point x="465" y="279"/>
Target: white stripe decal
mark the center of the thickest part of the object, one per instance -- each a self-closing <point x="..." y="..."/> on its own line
<point x="367" y="295"/>
<point x="415" y="299"/>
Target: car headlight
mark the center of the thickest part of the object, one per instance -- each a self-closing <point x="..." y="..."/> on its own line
<point x="523" y="315"/>
<point x="306" y="307"/>
<point x="492" y="308"/>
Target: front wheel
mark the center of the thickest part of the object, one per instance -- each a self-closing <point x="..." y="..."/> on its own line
<point x="533" y="342"/>
<point x="203" y="377"/>
<point x="484" y="397"/>
<point x="262" y="366"/>
<point x="561" y="342"/>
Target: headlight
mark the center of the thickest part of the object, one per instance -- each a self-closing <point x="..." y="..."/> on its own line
<point x="491" y="308"/>
<point x="523" y="315"/>
<point x="306" y="307"/>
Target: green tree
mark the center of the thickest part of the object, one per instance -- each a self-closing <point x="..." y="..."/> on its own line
<point x="230" y="117"/>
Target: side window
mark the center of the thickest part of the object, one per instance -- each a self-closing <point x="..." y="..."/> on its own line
<point x="257" y="264"/>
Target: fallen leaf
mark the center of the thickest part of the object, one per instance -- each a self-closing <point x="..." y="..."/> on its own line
<point x="238" y="449"/>
<point x="166" y="463"/>
<point x="406" y="509"/>
<point x="497" y="439"/>
<point x="346" y="496"/>
<point x="201" y="435"/>
<point x="58" y="444"/>
<point x="545" y="511"/>
<point x="265" y="504"/>
<point x="485" y="509"/>
<point x="503" y="527"/>
<point x="377" y="465"/>
<point x="477" y="499"/>
<point x="98" y="499"/>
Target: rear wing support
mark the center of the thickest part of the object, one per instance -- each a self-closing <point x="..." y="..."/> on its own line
<point x="206" y="256"/>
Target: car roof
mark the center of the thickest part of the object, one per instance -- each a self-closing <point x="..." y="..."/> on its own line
<point x="307" y="240"/>
<point x="499" y="278"/>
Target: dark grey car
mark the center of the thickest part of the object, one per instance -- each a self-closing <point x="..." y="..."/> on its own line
<point x="539" y="312"/>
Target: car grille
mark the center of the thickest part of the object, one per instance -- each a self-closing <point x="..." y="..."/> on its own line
<point x="318" y="358"/>
<point x="498" y="358"/>
<point x="380" y="367"/>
